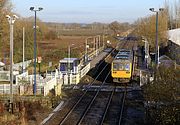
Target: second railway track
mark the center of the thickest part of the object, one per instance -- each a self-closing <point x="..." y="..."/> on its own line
<point x="97" y="107"/>
<point x="79" y="110"/>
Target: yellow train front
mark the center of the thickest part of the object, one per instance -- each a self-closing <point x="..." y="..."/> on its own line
<point x="122" y="66"/>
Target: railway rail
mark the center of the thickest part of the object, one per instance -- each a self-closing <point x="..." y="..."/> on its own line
<point x="83" y="99"/>
<point x="95" y="107"/>
<point x="114" y="110"/>
<point x="71" y="104"/>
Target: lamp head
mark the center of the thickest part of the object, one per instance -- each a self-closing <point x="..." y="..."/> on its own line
<point x="40" y="8"/>
<point x="31" y="8"/>
<point x="7" y="16"/>
<point x="15" y="17"/>
<point x="151" y="9"/>
<point x="143" y="38"/>
<point x="87" y="46"/>
<point x="161" y="9"/>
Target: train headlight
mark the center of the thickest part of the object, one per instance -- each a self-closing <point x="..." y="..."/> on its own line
<point x="127" y="67"/>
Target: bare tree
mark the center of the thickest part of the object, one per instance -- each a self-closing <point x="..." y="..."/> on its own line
<point x="146" y="27"/>
<point x="162" y="97"/>
<point x="3" y="27"/>
<point x="114" y="26"/>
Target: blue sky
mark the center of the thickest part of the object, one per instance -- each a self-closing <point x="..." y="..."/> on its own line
<point x="87" y="11"/>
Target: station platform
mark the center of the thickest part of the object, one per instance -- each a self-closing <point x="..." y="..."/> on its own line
<point x="100" y="57"/>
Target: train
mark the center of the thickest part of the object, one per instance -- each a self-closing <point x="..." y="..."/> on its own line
<point x="122" y="66"/>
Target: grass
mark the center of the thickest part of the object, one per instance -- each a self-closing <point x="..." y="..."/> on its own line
<point x="32" y="109"/>
<point x="8" y="119"/>
<point x="55" y="50"/>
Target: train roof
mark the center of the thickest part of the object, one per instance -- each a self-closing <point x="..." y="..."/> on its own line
<point x="123" y="54"/>
<point x="124" y="50"/>
<point x="122" y="57"/>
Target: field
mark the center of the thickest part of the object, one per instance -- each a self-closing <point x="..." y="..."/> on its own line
<point x="54" y="50"/>
<point x="50" y="51"/>
<point x="58" y="48"/>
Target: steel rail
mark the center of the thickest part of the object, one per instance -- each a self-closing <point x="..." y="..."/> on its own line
<point x="90" y="104"/>
<point x="107" y="106"/>
<point x="122" y="108"/>
<point x="67" y="115"/>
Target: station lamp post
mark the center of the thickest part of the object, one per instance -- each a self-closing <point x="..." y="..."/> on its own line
<point x="35" y="11"/>
<point x="108" y="43"/>
<point x="98" y="37"/>
<point x="86" y="49"/>
<point x="97" y="43"/>
<point x="69" y="63"/>
<point x="156" y="40"/>
<point x="11" y="21"/>
<point x="86" y="55"/>
<point x="99" y="40"/>
<point x="146" y="46"/>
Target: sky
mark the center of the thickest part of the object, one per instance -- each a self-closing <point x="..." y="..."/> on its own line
<point x="87" y="11"/>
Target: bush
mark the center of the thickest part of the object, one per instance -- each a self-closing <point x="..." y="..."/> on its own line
<point x="163" y="94"/>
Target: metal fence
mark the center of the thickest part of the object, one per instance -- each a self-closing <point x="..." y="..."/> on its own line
<point x="5" y="89"/>
<point x="18" y="66"/>
<point x="4" y="76"/>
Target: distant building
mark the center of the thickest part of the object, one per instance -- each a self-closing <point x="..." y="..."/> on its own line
<point x="174" y="36"/>
<point x="174" y="44"/>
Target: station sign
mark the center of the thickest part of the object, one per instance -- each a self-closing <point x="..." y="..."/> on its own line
<point x="39" y="59"/>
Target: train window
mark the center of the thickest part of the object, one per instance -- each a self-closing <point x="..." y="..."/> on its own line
<point x="122" y="57"/>
<point x="120" y="67"/>
<point x="115" y="66"/>
<point x="127" y="67"/>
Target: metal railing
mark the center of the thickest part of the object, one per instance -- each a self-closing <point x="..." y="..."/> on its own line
<point x="4" y="76"/>
<point x="5" y="89"/>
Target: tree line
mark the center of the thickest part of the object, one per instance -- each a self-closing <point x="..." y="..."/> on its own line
<point x="162" y="97"/>
<point x="28" y="24"/>
<point x="145" y="27"/>
<point x="168" y="19"/>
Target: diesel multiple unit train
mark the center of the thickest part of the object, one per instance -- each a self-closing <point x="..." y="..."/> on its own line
<point x="122" y="66"/>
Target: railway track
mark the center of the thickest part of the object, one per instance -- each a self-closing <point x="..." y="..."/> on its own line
<point x="97" y="101"/>
<point x="114" y="110"/>
<point x="97" y="106"/>
<point x="74" y="113"/>
<point x="71" y="104"/>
